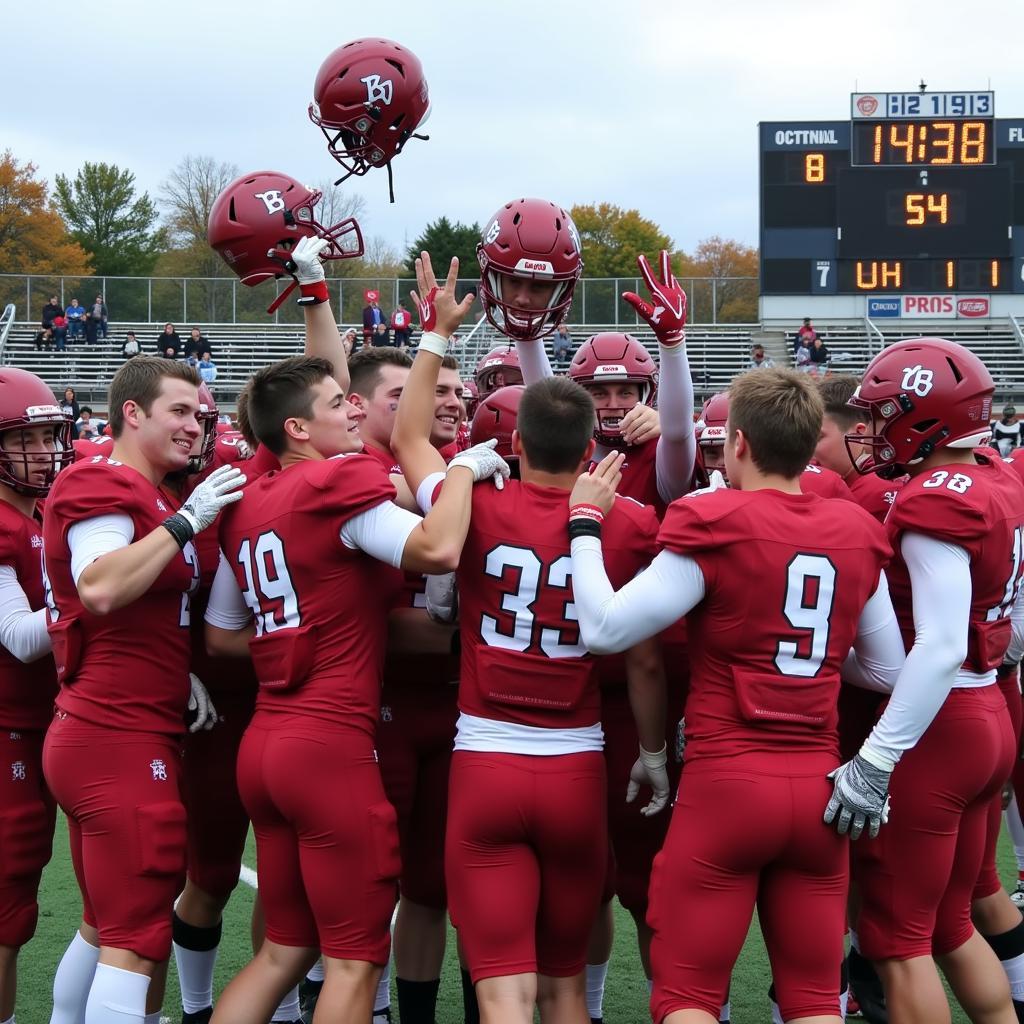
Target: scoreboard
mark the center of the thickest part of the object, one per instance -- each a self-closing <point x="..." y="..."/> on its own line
<point x="916" y="193"/>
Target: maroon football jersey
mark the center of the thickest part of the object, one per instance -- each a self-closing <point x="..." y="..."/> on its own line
<point x="262" y="462"/>
<point x="26" y="691"/>
<point x="640" y="475"/>
<point x="786" y="578"/>
<point x="129" y="669"/>
<point x="826" y="483"/>
<point x="321" y="608"/>
<point x="522" y="657"/>
<point x="385" y="458"/>
<point x="979" y="508"/>
<point x="872" y="493"/>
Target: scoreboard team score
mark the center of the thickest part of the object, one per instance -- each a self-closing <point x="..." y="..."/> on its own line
<point x="918" y="193"/>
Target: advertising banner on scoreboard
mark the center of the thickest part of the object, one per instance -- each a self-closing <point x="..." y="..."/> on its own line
<point x="928" y="307"/>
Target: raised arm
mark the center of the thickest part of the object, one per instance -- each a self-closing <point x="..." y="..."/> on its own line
<point x="322" y="336"/>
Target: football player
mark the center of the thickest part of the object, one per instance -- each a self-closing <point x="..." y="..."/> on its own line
<point x="525" y="861"/>
<point x="35" y="445"/>
<point x="121" y="564"/>
<point x="302" y="589"/>
<point x="760" y="716"/>
<point x="944" y="743"/>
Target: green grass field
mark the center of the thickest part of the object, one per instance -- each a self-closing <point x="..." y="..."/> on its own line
<point x="625" y="995"/>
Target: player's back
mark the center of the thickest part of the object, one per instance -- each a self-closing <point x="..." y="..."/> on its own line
<point x="523" y="661"/>
<point x="981" y="509"/>
<point x="321" y="608"/>
<point x="786" y="578"/>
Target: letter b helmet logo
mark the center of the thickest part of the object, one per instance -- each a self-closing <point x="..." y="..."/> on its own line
<point x="272" y="200"/>
<point x="377" y="89"/>
<point x="917" y="379"/>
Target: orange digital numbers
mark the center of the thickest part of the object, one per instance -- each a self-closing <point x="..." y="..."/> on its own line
<point x="920" y="205"/>
<point x="950" y="279"/>
<point x="814" y="168"/>
<point x="995" y="273"/>
<point x="874" y="275"/>
<point x="972" y="142"/>
<point x="944" y="146"/>
<point x="901" y="136"/>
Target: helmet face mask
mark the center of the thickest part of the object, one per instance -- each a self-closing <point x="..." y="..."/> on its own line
<point x="922" y="395"/>
<point x="207" y="416"/>
<point x="529" y="239"/>
<point x="26" y="402"/>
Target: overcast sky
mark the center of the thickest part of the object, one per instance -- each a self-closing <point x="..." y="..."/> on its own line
<point x="652" y="104"/>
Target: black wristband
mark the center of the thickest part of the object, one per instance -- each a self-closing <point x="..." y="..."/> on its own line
<point x="584" y="526"/>
<point x="179" y="528"/>
<point x="456" y="646"/>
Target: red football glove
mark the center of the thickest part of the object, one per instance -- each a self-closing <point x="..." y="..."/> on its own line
<point x="666" y="314"/>
<point x="426" y="311"/>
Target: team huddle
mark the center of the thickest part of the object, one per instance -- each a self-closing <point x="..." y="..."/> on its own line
<point x="505" y="651"/>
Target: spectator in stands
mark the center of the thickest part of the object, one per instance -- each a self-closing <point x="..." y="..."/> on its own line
<point x="562" y="343"/>
<point x="372" y="316"/>
<point x="1006" y="433"/>
<point x="803" y="355"/>
<point x="130" y="348"/>
<point x="196" y="344"/>
<point x="76" y="319"/>
<point x="87" y="427"/>
<point x="44" y="339"/>
<point x="207" y="368"/>
<point x="806" y="332"/>
<point x="819" y="357"/>
<point x="349" y="341"/>
<point x="759" y="359"/>
<point x="99" y="315"/>
<point x="92" y="327"/>
<point x="380" y="337"/>
<point x="401" y="326"/>
<point x="169" y="344"/>
<point x="69" y="406"/>
<point x="53" y="312"/>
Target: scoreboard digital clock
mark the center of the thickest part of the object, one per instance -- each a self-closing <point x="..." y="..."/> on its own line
<point x="916" y="193"/>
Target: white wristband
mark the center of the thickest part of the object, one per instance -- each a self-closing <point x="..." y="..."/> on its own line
<point x="434" y="343"/>
<point x="654" y="759"/>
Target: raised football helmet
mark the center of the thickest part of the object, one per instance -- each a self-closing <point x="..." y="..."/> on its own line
<point x="258" y="219"/>
<point x="498" y="369"/>
<point x="26" y="401"/>
<point x="369" y="98"/>
<point x="534" y="239"/>
<point x="496" y="417"/>
<point x="614" y="358"/>
<point x="922" y="394"/>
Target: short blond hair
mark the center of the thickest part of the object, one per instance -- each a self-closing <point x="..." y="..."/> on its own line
<point x="780" y="414"/>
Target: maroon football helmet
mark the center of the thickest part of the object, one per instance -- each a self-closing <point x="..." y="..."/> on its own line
<point x="496" y="417"/>
<point x="260" y="217"/>
<point x="534" y="239"/>
<point x="26" y="401"/>
<point x="470" y="398"/>
<point x="613" y="358"/>
<point x="922" y="394"/>
<point x="369" y="98"/>
<point x="208" y="415"/>
<point x="710" y="426"/>
<point x="502" y="362"/>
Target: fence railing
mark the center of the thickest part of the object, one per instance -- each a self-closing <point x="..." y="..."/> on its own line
<point x="6" y="323"/>
<point x="187" y="300"/>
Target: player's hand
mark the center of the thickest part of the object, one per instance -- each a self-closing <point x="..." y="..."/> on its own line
<point x="438" y="310"/>
<point x="442" y="598"/>
<point x="649" y="770"/>
<point x="201" y="713"/>
<point x="640" y="424"/>
<point x="599" y="486"/>
<point x="220" y="488"/>
<point x="860" y="798"/>
<point x="306" y="257"/>
<point x="717" y="482"/>
<point x="666" y="312"/>
<point x="483" y="461"/>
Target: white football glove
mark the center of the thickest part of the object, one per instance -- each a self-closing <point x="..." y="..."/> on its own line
<point x="649" y="770"/>
<point x="485" y="462"/>
<point x="717" y="483"/>
<point x="306" y="257"/>
<point x="442" y="598"/>
<point x="220" y="488"/>
<point x="860" y="798"/>
<point x="200" y="706"/>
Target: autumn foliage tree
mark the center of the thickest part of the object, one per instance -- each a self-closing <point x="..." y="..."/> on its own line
<point x="612" y="238"/>
<point x="735" y="266"/>
<point x="33" y="237"/>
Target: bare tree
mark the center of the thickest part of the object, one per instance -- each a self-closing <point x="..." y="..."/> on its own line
<point x="187" y="196"/>
<point x="337" y="204"/>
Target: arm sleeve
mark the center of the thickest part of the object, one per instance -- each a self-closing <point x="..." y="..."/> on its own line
<point x="427" y="491"/>
<point x="90" y="539"/>
<point x="940" y="578"/>
<point x="1016" y="649"/>
<point x="611" y="621"/>
<point x="381" y="531"/>
<point x="22" y="631"/>
<point x="227" y="608"/>
<point x="533" y="361"/>
<point x="677" y="446"/>
<point x="877" y="655"/>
